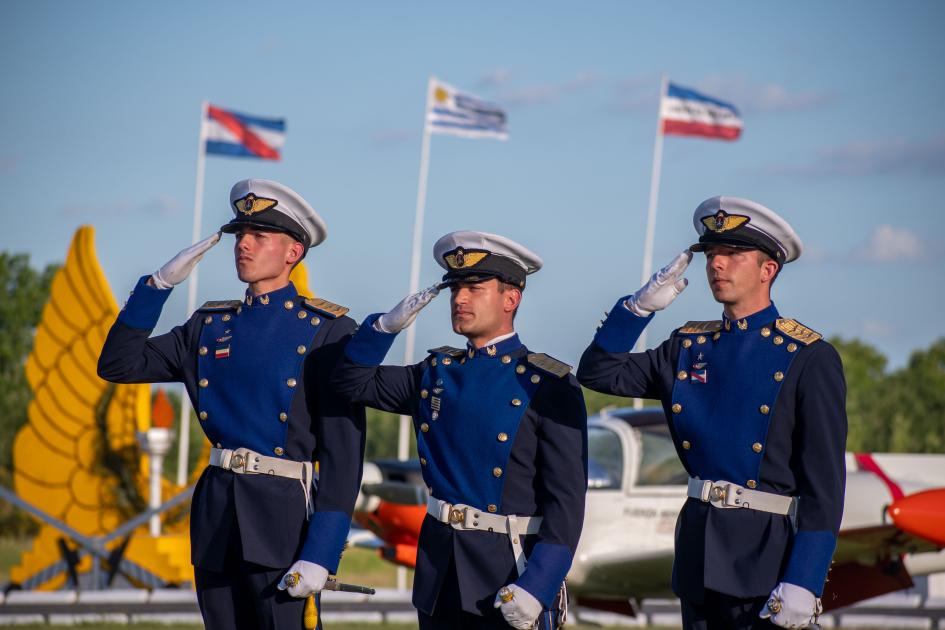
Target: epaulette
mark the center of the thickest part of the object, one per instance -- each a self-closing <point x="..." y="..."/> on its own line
<point x="693" y="328"/>
<point x="797" y="331"/>
<point x="548" y="364"/>
<point x="221" y="305"/>
<point x="450" y="350"/>
<point x="326" y="308"/>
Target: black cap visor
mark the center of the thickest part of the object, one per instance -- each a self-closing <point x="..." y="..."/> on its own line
<point x="741" y="239"/>
<point x="270" y="220"/>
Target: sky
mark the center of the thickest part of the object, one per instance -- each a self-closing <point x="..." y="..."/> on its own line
<point x="843" y="136"/>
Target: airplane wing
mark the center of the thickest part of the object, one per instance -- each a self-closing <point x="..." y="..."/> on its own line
<point x="607" y="579"/>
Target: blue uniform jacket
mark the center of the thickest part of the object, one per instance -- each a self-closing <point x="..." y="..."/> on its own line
<point x="257" y="374"/>
<point x="759" y="402"/>
<point x="499" y="429"/>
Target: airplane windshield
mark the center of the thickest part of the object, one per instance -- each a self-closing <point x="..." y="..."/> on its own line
<point x="604" y="459"/>
<point x="660" y="464"/>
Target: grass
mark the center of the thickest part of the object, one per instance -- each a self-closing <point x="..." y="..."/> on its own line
<point x="363" y="566"/>
<point x="10" y="551"/>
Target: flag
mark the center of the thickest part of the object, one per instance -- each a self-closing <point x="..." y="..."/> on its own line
<point x="456" y="113"/>
<point x="685" y="112"/>
<point x="238" y="135"/>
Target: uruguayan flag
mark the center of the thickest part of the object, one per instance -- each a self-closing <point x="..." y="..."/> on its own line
<point x="459" y="114"/>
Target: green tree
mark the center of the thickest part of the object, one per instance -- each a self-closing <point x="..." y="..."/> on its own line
<point x="864" y="368"/>
<point x="914" y="402"/>
<point x="24" y="293"/>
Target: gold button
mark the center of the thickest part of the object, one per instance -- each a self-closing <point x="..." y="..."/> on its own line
<point x="492" y="508"/>
<point x="288" y="304"/>
<point x="677" y="408"/>
<point x="227" y="317"/>
<point x="302" y="315"/>
<point x="752" y="483"/>
<point x="756" y="447"/>
<point x="278" y="450"/>
<point x="424" y="393"/>
<point x="779" y="376"/>
<point x="682" y="375"/>
<point x="506" y="358"/>
<point x="700" y="339"/>
<point x="519" y="369"/>
<point x="764" y="409"/>
<point x="516" y="402"/>
<point x="203" y="350"/>
<point x="496" y="472"/>
<point x="300" y="349"/>
<point x="314" y="321"/>
<point x="765" y="332"/>
<point x="203" y="415"/>
<point x="778" y="340"/>
<point x="447" y="360"/>
<point x="283" y="416"/>
<point x="423" y="461"/>
<point x="686" y="343"/>
<point x="686" y="445"/>
<point x="433" y="362"/>
<point x="716" y="336"/>
<point x="502" y="437"/>
<point x="208" y="319"/>
<point x="424" y="427"/>
<point x="203" y="382"/>
<point x="791" y="347"/>
<point x="291" y="382"/>
<point x="535" y="378"/>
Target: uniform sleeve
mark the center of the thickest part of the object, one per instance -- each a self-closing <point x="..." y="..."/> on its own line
<point x="340" y="435"/>
<point x="562" y="471"/>
<point x="360" y="378"/>
<point x="819" y="442"/>
<point x="129" y="356"/>
<point x="608" y="366"/>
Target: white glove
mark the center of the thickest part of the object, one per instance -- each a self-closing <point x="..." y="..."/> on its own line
<point x="310" y="579"/>
<point x="406" y="311"/>
<point x="791" y="606"/>
<point x="180" y="266"/>
<point x="522" y="611"/>
<point x="665" y="285"/>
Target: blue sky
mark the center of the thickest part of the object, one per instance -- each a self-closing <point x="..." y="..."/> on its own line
<point x="843" y="135"/>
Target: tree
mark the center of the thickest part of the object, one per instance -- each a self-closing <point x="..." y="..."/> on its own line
<point x="24" y="293"/>
<point x="864" y="368"/>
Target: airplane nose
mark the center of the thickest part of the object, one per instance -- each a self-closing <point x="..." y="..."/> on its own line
<point x="921" y="514"/>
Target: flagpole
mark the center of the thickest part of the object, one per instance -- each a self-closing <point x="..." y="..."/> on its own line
<point x="651" y="212"/>
<point x="183" y="445"/>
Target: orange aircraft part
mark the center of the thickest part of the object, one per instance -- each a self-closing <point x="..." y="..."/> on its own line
<point x="398" y="526"/>
<point x="921" y="514"/>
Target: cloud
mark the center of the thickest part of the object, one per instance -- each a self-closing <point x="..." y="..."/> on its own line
<point x="546" y="93"/>
<point x="494" y="78"/>
<point x="636" y="93"/>
<point x="164" y="205"/>
<point x="872" y="328"/>
<point x="762" y="97"/>
<point x="925" y="156"/>
<point x="392" y="137"/>
<point x="582" y="81"/>
<point x="888" y="244"/>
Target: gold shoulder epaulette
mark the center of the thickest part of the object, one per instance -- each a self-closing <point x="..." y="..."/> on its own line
<point x="221" y="305"/>
<point x="797" y="331"/>
<point x="450" y="350"/>
<point x="326" y="308"/>
<point x="548" y="364"/>
<point x="693" y="328"/>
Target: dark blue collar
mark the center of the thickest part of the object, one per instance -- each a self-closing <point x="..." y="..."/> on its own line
<point x="755" y="321"/>
<point x="496" y="350"/>
<point x="273" y="298"/>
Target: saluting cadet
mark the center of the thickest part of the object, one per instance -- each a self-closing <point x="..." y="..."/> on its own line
<point x="756" y="408"/>
<point x="257" y="372"/>
<point x="502" y="439"/>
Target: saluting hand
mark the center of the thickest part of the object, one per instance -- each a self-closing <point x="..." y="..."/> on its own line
<point x="307" y="578"/>
<point x="179" y="267"/>
<point x="791" y="606"/>
<point x="665" y="285"/>
<point x="406" y="310"/>
<point x="522" y="610"/>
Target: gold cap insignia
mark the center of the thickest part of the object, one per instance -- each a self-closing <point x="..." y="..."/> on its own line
<point x="722" y="221"/>
<point x="251" y="204"/>
<point x="460" y="259"/>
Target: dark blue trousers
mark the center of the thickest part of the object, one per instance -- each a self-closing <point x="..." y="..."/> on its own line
<point x="718" y="611"/>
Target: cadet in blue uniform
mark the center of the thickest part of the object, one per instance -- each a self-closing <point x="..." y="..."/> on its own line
<point x="502" y="440"/>
<point x="756" y="408"/>
<point x="257" y="372"/>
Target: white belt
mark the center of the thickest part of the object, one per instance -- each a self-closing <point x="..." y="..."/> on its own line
<point x="724" y="494"/>
<point x="466" y="517"/>
<point x="247" y="462"/>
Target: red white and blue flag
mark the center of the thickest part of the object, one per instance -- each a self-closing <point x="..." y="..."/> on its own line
<point x="685" y="112"/>
<point x="239" y="135"/>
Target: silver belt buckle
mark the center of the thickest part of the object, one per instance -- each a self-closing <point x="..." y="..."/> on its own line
<point x="720" y="493"/>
